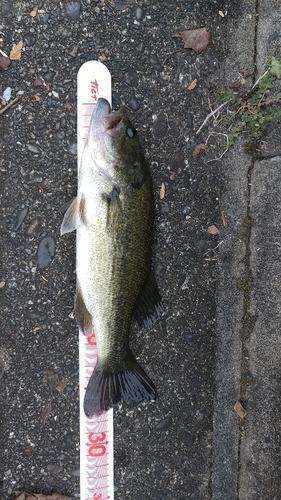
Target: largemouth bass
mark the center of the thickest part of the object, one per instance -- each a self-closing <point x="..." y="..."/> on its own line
<point x="113" y="215"/>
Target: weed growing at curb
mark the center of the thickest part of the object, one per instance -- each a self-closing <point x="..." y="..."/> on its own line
<point x="252" y="111"/>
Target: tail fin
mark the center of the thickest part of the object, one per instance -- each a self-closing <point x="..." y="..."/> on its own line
<point x="108" y="386"/>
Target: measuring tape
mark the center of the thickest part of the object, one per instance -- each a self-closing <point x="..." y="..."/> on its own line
<point x="96" y="433"/>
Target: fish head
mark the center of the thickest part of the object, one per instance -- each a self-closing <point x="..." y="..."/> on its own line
<point x="117" y="145"/>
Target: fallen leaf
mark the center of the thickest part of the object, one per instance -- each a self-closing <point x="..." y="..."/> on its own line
<point x="162" y="191"/>
<point x="240" y="410"/>
<point x="224" y="221"/>
<point x="275" y="67"/>
<point x="213" y="230"/>
<point x="36" y="97"/>
<point x="15" y="53"/>
<point x="55" y="380"/>
<point x="192" y="85"/>
<point x="235" y="86"/>
<point x="199" y="148"/>
<point x="198" y="39"/>
<point x="246" y="73"/>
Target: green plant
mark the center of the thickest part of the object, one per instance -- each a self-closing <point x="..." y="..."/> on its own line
<point x="252" y="111"/>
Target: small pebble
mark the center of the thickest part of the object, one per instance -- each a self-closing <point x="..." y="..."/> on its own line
<point x="30" y="39"/>
<point x="131" y="77"/>
<point x="164" y="207"/>
<point x="32" y="148"/>
<point x="139" y="14"/>
<point x="187" y="438"/>
<point x="51" y="102"/>
<point x="20" y="218"/>
<point x="72" y="10"/>
<point x="133" y="103"/>
<point x="199" y="244"/>
<point x="38" y="82"/>
<point x="160" y="126"/>
<point x="7" y="94"/>
<point x="72" y="50"/>
<point x="164" y="424"/>
<point x="49" y="76"/>
<point x="4" y="62"/>
<point x="273" y="37"/>
<point x="72" y="148"/>
<point x="75" y="473"/>
<point x="156" y="63"/>
<point x="45" y="252"/>
<point x="189" y="120"/>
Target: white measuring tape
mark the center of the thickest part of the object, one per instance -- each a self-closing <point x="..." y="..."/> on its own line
<point x="96" y="433"/>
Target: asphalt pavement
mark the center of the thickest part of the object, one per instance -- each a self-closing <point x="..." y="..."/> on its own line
<point x="218" y="341"/>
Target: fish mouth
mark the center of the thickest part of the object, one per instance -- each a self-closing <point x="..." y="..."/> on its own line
<point x="114" y="122"/>
<point x="102" y="108"/>
<point x="104" y="120"/>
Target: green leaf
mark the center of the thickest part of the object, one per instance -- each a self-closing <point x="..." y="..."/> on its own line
<point x="275" y="67"/>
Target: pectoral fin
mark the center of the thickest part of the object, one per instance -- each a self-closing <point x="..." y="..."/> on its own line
<point x="83" y="317"/>
<point x="70" y="218"/>
<point x="114" y="208"/>
<point x="149" y="305"/>
<point x="82" y="210"/>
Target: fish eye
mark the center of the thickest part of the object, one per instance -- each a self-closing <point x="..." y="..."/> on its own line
<point x="131" y="132"/>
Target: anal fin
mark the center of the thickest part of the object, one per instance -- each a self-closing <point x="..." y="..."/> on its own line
<point x="83" y="317"/>
<point x="82" y="210"/>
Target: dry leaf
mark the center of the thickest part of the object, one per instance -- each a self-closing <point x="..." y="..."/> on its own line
<point x="192" y="85"/>
<point x="213" y="230"/>
<point x="224" y="221"/>
<point x="36" y="97"/>
<point x="55" y="380"/>
<point x="15" y="53"/>
<point x="199" y="148"/>
<point x="162" y="191"/>
<point x="198" y="40"/>
<point x="246" y="73"/>
<point x="240" y="410"/>
<point x="21" y="496"/>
